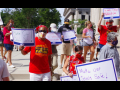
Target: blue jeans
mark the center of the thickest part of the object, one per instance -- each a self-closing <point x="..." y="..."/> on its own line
<point x="8" y="47"/>
<point x="101" y="45"/>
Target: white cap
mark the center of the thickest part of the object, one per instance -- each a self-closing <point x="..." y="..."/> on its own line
<point x="53" y="27"/>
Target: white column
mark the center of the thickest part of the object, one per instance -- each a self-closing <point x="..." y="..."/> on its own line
<point x="87" y="17"/>
<point x="103" y="21"/>
<point x="97" y="17"/>
<point x="76" y="18"/>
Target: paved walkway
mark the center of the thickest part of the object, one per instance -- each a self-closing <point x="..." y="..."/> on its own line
<point x="21" y="62"/>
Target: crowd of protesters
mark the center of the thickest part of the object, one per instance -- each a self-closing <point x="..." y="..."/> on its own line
<point x="44" y="56"/>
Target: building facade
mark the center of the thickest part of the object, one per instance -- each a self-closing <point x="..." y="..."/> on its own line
<point x="77" y="13"/>
<point x="91" y="14"/>
<point x="82" y="13"/>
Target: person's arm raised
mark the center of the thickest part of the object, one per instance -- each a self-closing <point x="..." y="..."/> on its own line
<point x="99" y="23"/>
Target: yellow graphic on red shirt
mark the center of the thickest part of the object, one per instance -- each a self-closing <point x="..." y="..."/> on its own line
<point x="41" y="50"/>
<point x="108" y="31"/>
<point x="73" y="65"/>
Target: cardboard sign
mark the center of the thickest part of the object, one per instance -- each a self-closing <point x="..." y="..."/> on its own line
<point x="24" y="37"/>
<point x="54" y="38"/>
<point x="68" y="78"/>
<point x="102" y="70"/>
<point x="69" y="35"/>
<point x="111" y="13"/>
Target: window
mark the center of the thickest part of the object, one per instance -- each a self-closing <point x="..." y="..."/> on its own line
<point x="83" y="17"/>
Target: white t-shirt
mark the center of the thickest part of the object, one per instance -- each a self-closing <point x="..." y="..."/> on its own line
<point x="88" y="32"/>
<point x="3" y="70"/>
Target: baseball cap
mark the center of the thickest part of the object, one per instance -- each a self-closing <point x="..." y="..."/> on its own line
<point x="37" y="28"/>
<point x="53" y="27"/>
<point x="66" y="20"/>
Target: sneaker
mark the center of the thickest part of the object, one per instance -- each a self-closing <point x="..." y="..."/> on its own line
<point x="12" y="66"/>
<point x="8" y="64"/>
<point x="4" y="57"/>
<point x="96" y="58"/>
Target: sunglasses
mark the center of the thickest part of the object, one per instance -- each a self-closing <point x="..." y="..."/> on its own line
<point x="43" y="31"/>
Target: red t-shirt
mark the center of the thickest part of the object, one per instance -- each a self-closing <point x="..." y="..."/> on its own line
<point x="74" y="61"/>
<point x="39" y="63"/>
<point x="7" y="38"/>
<point x="103" y="33"/>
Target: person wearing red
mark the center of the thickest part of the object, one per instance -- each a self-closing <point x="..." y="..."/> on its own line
<point x="73" y="60"/>
<point x="7" y="43"/>
<point x="105" y="29"/>
<point x="40" y="57"/>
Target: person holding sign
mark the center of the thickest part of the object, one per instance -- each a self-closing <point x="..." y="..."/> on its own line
<point x="110" y="51"/>
<point x="7" y="43"/>
<point x="105" y="29"/>
<point x="40" y="57"/>
<point x="54" y="55"/>
<point x="66" y="47"/>
<point x="73" y="60"/>
<point x="88" y="40"/>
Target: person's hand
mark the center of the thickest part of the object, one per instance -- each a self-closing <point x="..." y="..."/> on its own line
<point x="10" y="32"/>
<point x="89" y="36"/>
<point x="95" y="43"/>
<point x="21" y="47"/>
<point x="62" y="36"/>
<point x="70" y="74"/>
<point x="102" y="15"/>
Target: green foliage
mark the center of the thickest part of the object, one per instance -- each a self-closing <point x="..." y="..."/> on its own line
<point x="81" y="23"/>
<point x="31" y="17"/>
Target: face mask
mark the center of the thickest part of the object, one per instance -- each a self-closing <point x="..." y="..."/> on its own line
<point x="90" y="25"/>
<point x="41" y="34"/>
<point x="10" y="24"/>
<point x="66" y="25"/>
<point x="78" y="55"/>
<point x="2" y="29"/>
<point x="115" y="43"/>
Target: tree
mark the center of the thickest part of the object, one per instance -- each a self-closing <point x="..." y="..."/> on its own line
<point x="48" y="16"/>
<point x="5" y="15"/>
<point x="31" y="17"/>
<point x="81" y="23"/>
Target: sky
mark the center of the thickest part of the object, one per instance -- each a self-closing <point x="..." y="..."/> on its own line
<point x="61" y="10"/>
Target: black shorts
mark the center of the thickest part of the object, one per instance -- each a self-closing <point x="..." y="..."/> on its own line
<point x="98" y="49"/>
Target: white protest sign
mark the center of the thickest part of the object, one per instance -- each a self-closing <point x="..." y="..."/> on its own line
<point x="69" y="35"/>
<point x="54" y="38"/>
<point x="68" y="78"/>
<point x="111" y="13"/>
<point x="11" y="37"/>
<point x="1" y="22"/>
<point x="102" y="70"/>
<point x="24" y="37"/>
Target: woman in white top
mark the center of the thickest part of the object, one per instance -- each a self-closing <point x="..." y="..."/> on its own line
<point x="88" y="40"/>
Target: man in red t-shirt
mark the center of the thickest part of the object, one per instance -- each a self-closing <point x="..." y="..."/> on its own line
<point x="105" y="29"/>
<point x="40" y="57"/>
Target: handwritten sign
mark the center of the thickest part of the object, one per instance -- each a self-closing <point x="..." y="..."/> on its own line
<point x="24" y="37"/>
<point x="68" y="78"/>
<point x="69" y="35"/>
<point x="102" y="70"/>
<point x="54" y="38"/>
<point x="111" y="13"/>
